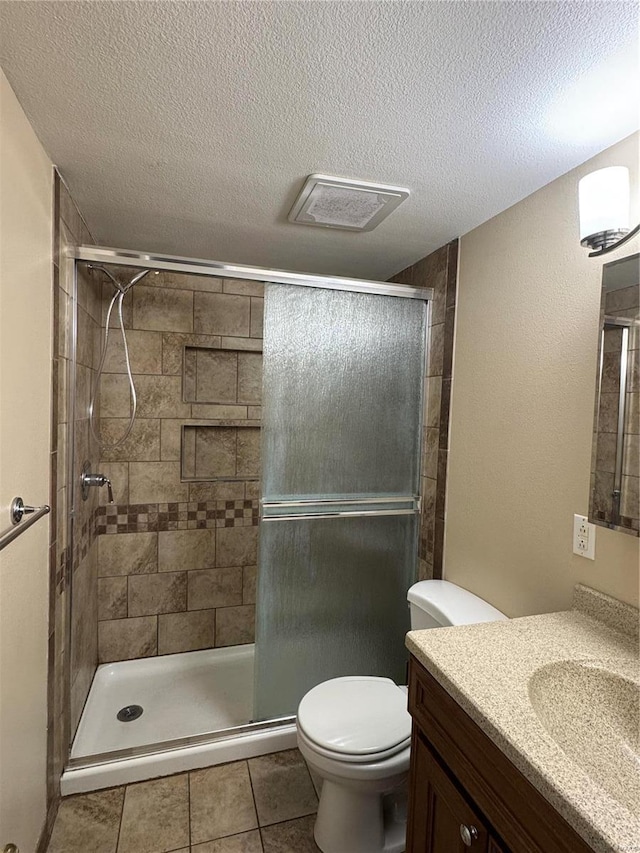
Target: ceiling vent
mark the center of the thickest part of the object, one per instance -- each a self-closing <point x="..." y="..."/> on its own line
<point x="331" y="202"/>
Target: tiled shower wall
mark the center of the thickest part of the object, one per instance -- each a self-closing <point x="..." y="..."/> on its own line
<point x="177" y="551"/>
<point x="624" y="302"/>
<point x="72" y="647"/>
<point x="438" y="270"/>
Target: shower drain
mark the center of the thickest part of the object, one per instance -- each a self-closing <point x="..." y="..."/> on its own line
<point x="129" y="713"/>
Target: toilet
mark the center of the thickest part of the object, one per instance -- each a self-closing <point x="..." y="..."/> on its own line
<point x="355" y="734"/>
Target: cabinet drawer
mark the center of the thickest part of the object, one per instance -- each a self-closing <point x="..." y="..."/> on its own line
<point x="512" y="806"/>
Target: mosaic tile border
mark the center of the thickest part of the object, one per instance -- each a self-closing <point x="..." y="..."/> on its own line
<point x="191" y="515"/>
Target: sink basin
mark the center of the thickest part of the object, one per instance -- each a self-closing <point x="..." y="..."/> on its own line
<point x="592" y="711"/>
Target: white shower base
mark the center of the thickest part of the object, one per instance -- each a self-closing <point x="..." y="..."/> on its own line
<point x="189" y="695"/>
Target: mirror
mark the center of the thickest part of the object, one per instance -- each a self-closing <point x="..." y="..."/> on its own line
<point x="615" y="466"/>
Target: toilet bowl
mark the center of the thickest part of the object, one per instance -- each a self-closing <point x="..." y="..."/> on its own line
<point x="355" y="734"/>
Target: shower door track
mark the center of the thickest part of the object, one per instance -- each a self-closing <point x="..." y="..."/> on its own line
<point x="233" y="733"/>
<point x="220" y="269"/>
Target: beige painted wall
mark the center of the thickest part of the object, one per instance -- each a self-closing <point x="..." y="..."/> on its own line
<point x="26" y="183"/>
<point x="523" y="400"/>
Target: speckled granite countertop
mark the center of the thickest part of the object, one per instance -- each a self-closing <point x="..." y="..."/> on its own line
<point x="487" y="669"/>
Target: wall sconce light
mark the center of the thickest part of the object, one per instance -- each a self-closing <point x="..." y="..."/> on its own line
<point x="604" y="210"/>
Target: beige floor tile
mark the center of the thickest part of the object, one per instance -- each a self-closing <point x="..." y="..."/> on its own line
<point x="88" y="822"/>
<point x="155" y="817"/>
<point x="293" y="836"/>
<point x="247" y="842"/>
<point x="221" y="802"/>
<point x="282" y="787"/>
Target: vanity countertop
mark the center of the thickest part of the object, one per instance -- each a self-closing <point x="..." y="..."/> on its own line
<point x="487" y="669"/>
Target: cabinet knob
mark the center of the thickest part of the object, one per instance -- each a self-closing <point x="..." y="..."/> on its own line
<point x="468" y="834"/>
<point x="10" y="848"/>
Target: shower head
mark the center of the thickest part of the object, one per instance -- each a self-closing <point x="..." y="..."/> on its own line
<point x="136" y="279"/>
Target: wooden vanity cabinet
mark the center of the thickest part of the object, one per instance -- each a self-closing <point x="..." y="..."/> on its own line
<point x="461" y="784"/>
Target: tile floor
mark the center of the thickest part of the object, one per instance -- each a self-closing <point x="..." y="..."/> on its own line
<point x="263" y="805"/>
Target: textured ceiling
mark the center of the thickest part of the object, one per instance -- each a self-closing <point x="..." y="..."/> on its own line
<point x="189" y="127"/>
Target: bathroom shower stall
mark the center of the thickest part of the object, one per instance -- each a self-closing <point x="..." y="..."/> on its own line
<point x="260" y="432"/>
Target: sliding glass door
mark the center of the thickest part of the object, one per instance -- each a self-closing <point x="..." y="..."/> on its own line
<point x="343" y="385"/>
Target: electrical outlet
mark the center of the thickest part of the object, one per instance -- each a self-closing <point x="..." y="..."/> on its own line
<point x="584" y="537"/>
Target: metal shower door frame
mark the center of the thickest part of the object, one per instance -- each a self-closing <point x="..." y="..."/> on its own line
<point x="210" y="269"/>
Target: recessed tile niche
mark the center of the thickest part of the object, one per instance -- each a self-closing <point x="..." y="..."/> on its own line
<point x="222" y="376"/>
<point x="227" y="448"/>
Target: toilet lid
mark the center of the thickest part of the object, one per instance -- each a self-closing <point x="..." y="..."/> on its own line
<point x="356" y="715"/>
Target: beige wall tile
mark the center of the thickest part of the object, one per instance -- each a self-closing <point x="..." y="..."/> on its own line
<point x="126" y="639"/>
<point x="214" y="588"/>
<point x="216" y="376"/>
<point x="248" y="452"/>
<point x="145" y="352"/>
<point x="221" y="802"/>
<point x="222" y="314"/>
<point x="215" y="452"/>
<point x="170" y="436"/>
<point x="243" y="287"/>
<point x="216" y="491"/>
<point x="87" y="336"/>
<point x="250" y="378"/>
<point x="164" y="592"/>
<point x="188" y="454"/>
<point x="118" y="473"/>
<point x="630" y="501"/>
<point x="189" y="374"/>
<point x="235" y="625"/>
<point x="434" y="392"/>
<point x="179" y="550"/>
<point x="436" y="350"/>
<point x="115" y="396"/>
<point x="127" y="553"/>
<point x="160" y="397"/>
<point x="156" y="482"/>
<point x="185" y="281"/>
<point x="252" y="344"/>
<point x="84" y="633"/>
<point x="164" y="310"/>
<point x="249" y="580"/>
<point x="203" y="411"/>
<point x="257" y="318"/>
<point x="186" y="632"/>
<point x="282" y="787"/>
<point x="236" y="546"/>
<point x="631" y="456"/>
<point x="155" y="816"/>
<point x="142" y="444"/>
<point x="173" y="345"/>
<point x="112" y="598"/>
<point x="84" y="389"/>
<point x="254" y="413"/>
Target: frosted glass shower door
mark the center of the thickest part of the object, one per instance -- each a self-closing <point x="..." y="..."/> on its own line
<point x="342" y="404"/>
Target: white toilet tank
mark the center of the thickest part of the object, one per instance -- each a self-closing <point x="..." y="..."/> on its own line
<point x="437" y="604"/>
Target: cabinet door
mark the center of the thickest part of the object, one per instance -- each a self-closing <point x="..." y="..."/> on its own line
<point x="440" y="819"/>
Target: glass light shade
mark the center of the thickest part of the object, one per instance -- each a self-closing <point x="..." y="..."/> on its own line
<point x="604" y="201"/>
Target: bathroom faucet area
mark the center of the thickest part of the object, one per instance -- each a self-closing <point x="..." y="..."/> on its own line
<point x="319" y="427"/>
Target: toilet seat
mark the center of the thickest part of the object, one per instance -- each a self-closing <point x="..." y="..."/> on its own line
<point x="356" y="719"/>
